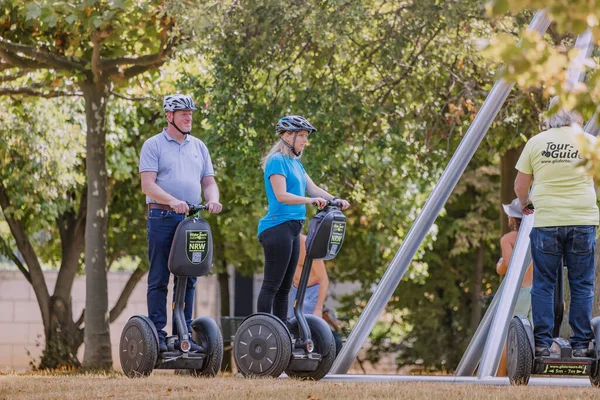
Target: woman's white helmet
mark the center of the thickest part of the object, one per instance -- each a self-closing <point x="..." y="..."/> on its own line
<point x="178" y="102"/>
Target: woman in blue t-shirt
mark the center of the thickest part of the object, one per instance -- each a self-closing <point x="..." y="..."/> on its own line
<point x="286" y="183"/>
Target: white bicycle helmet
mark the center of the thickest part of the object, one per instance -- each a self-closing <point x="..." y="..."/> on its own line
<point x="178" y="102"/>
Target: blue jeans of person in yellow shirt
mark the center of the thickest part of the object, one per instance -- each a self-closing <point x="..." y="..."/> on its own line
<point x="549" y="245"/>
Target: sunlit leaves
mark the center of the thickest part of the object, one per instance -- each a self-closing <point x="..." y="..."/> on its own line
<point x="542" y="64"/>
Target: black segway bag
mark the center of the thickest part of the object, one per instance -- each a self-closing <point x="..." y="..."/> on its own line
<point x="192" y="248"/>
<point x="325" y="234"/>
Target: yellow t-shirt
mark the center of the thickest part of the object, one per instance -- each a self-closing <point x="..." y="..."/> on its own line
<point x="562" y="194"/>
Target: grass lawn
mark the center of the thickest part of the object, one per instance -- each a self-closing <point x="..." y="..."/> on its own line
<point x="170" y="386"/>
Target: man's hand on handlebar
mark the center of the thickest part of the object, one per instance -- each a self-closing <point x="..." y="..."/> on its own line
<point x="214" y="207"/>
<point x="179" y="206"/>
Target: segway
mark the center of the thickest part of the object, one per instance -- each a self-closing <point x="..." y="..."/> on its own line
<point x="190" y="256"/>
<point x="520" y="352"/>
<point x="304" y="346"/>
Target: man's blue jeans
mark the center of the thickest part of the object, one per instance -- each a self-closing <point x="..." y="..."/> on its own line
<point x="549" y="245"/>
<point x="161" y="229"/>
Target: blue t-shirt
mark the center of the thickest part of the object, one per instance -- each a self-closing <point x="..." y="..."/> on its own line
<point x="295" y="183"/>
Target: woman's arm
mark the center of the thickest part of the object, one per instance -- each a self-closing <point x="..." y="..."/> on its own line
<point x="314" y="190"/>
<point x="507" y="249"/>
<point x="279" y="188"/>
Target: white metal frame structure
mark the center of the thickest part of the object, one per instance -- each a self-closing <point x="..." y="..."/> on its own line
<point x="486" y="345"/>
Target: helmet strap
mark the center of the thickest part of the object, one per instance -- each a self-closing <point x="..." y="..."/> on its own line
<point x="176" y="127"/>
<point x="291" y="146"/>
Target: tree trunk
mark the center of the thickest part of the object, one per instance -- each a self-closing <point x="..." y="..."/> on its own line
<point x="63" y="338"/>
<point x="97" y="353"/>
<point x="508" y="173"/>
<point x="476" y="293"/>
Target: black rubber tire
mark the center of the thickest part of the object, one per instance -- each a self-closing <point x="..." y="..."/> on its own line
<point x="138" y="349"/>
<point x="214" y="359"/>
<point x="262" y="346"/>
<point x="519" y="357"/>
<point x="595" y="377"/>
<point x="324" y="343"/>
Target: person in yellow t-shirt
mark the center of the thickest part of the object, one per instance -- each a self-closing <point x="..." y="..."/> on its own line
<point x="565" y="220"/>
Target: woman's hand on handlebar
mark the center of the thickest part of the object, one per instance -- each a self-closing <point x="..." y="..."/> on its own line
<point x="317" y="201"/>
<point x="345" y="204"/>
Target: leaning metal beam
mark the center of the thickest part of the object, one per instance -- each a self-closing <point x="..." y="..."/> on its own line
<point x="426" y="218"/>
<point x="514" y="277"/>
<point x="500" y="381"/>
<point x="469" y="361"/>
<point x="517" y="268"/>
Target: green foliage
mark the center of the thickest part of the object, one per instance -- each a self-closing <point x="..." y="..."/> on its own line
<point x="392" y="90"/>
<point x="40" y="165"/>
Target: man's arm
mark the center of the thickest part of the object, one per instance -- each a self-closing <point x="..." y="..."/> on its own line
<point x="318" y="268"/>
<point x="156" y="193"/>
<point x="211" y="194"/>
<point x="522" y="185"/>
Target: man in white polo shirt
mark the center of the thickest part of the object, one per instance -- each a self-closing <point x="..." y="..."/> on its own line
<point x="175" y="168"/>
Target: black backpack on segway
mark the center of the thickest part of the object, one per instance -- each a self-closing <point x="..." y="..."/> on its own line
<point x="305" y="347"/>
<point x="190" y="256"/>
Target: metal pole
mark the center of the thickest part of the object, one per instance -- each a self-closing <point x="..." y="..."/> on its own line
<point x="514" y="277"/>
<point x="461" y="380"/>
<point x="470" y="359"/>
<point x="426" y="218"/>
<point x="576" y="72"/>
<point x="592" y="127"/>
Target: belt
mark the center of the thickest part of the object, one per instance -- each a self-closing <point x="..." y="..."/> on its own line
<point x="152" y="206"/>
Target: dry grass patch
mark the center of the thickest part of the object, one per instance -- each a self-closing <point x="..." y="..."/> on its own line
<point x="168" y="386"/>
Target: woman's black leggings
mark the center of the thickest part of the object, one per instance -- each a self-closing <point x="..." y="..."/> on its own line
<point x="281" y="245"/>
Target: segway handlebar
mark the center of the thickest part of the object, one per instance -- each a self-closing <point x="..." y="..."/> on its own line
<point x="331" y="203"/>
<point x="194" y="208"/>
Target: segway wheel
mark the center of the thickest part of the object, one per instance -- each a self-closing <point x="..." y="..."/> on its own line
<point x="262" y="346"/>
<point x="208" y="335"/>
<point x="595" y="376"/>
<point x="324" y="343"/>
<point x="138" y="349"/>
<point x="519" y="355"/>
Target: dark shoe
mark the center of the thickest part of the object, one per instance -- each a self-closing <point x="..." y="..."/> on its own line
<point x="542" y="352"/>
<point x="195" y="347"/>
<point x="162" y="344"/>
<point x="580" y="352"/>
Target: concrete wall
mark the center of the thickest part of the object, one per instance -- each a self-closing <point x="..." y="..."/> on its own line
<point x="22" y="332"/>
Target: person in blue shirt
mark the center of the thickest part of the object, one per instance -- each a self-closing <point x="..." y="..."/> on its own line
<point x="287" y="184"/>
